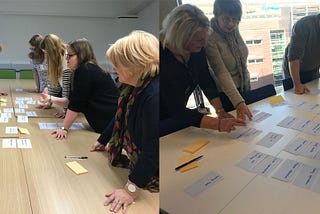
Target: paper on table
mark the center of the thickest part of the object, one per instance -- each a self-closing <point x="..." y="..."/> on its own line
<point x="270" y="139"/>
<point x="23" y="130"/>
<point x="287" y="170"/>
<point x="76" y="167"/>
<point x="196" y="145"/>
<point x="203" y="183"/>
<point x="306" y="176"/>
<point x="24" y="143"/>
<point x="185" y="159"/>
<point x="9" y="143"/>
<point x="276" y="100"/>
<point x="297" y="145"/>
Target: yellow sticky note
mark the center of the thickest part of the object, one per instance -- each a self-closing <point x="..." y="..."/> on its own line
<point x="3" y="100"/>
<point x="23" y="131"/>
<point x="3" y="104"/>
<point x="276" y="100"/>
<point x="185" y="159"/>
<point x="76" y="167"/>
<point x="196" y="145"/>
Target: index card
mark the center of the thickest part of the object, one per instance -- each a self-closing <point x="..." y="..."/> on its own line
<point x="4" y="119"/>
<point x="203" y="183"/>
<point x="11" y="130"/>
<point x="76" y="167"/>
<point x="251" y="160"/>
<point x="296" y="145"/>
<point x="306" y="176"/>
<point x="260" y="117"/>
<point x="9" y="143"/>
<point x="24" y="143"/>
<point x="23" y="106"/>
<point x="267" y="165"/>
<point x="287" y="122"/>
<point x="276" y="100"/>
<point x="287" y="170"/>
<point x="19" y="110"/>
<point x="7" y="115"/>
<point x="31" y="114"/>
<point x="19" y="89"/>
<point x="22" y="119"/>
<point x="7" y="110"/>
<point x="301" y="124"/>
<point x="311" y="150"/>
<point x="270" y="139"/>
<point x="196" y="145"/>
<point x="312" y="128"/>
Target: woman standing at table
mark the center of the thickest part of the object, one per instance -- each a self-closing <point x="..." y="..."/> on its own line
<point x="183" y="67"/>
<point x="135" y="127"/>
<point x="59" y="75"/>
<point x="38" y="62"/>
<point x="94" y="92"/>
<point x="227" y="55"/>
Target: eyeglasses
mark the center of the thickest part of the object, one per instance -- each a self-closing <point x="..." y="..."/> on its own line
<point x="68" y="56"/>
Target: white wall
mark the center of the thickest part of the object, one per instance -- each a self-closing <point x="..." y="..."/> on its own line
<point x="16" y="30"/>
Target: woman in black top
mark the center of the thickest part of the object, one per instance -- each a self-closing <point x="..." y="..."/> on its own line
<point x="183" y="66"/>
<point x="94" y="93"/>
<point x="135" y="128"/>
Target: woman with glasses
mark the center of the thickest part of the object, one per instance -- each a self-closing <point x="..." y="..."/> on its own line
<point x="38" y="62"/>
<point x="59" y="75"/>
<point x="227" y="55"/>
<point x="94" y="93"/>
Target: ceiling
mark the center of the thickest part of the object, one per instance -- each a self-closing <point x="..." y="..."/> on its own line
<point x="76" y="8"/>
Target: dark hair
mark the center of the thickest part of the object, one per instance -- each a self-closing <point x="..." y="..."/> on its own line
<point x="38" y="55"/>
<point x="83" y="49"/>
<point x="229" y="7"/>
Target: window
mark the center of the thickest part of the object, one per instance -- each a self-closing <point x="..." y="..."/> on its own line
<point x="268" y="23"/>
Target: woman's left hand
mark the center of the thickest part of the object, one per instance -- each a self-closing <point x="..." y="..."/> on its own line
<point x="60" y="114"/>
<point x="60" y="134"/>
<point x="119" y="199"/>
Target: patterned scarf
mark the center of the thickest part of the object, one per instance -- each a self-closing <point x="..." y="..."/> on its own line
<point x="232" y="40"/>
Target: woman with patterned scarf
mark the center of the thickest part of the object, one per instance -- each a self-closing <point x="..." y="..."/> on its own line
<point x="227" y="55"/>
<point x="132" y="138"/>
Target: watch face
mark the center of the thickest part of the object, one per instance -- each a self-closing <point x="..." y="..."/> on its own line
<point x="132" y="188"/>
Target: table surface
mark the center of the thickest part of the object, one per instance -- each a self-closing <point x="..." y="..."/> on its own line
<point x="37" y="180"/>
<point x="240" y="191"/>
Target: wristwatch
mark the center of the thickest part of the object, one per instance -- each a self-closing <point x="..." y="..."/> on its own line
<point x="131" y="187"/>
<point x="63" y="128"/>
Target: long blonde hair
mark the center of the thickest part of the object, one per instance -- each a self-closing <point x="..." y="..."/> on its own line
<point x="55" y="49"/>
<point x="138" y="53"/>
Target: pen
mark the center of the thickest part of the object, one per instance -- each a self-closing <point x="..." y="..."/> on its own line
<point x="190" y="161"/>
<point x="76" y="157"/>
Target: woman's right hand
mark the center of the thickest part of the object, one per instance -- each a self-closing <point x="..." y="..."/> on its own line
<point x="97" y="147"/>
<point x="228" y="124"/>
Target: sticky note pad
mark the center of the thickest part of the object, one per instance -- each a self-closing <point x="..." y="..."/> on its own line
<point x="23" y="131"/>
<point x="76" y="167"/>
<point x="3" y="100"/>
<point x="185" y="159"/>
<point x="196" y="145"/>
<point x="276" y="100"/>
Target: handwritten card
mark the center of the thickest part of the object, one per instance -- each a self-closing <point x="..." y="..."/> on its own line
<point x="270" y="139"/>
<point x="24" y="143"/>
<point x="203" y="183"/>
<point x="11" y="130"/>
<point x="22" y="119"/>
<point x="9" y="143"/>
<point x="287" y="170"/>
<point x="306" y="176"/>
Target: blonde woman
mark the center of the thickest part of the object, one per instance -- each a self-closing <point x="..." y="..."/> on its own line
<point x="135" y="127"/>
<point x="184" y="66"/>
<point x="59" y="75"/>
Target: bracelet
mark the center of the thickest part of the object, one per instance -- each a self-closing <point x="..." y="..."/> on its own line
<point x="64" y="129"/>
<point x="219" y="125"/>
<point x="220" y="110"/>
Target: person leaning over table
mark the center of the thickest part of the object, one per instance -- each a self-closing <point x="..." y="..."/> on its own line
<point x="59" y="75"/>
<point x="94" y="92"/>
<point x="135" y="127"/>
<point x="184" y="66"/>
<point x="38" y="62"/>
<point x="227" y="55"/>
<point x="302" y="56"/>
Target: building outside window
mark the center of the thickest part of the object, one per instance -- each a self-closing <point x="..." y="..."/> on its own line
<point x="266" y="27"/>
